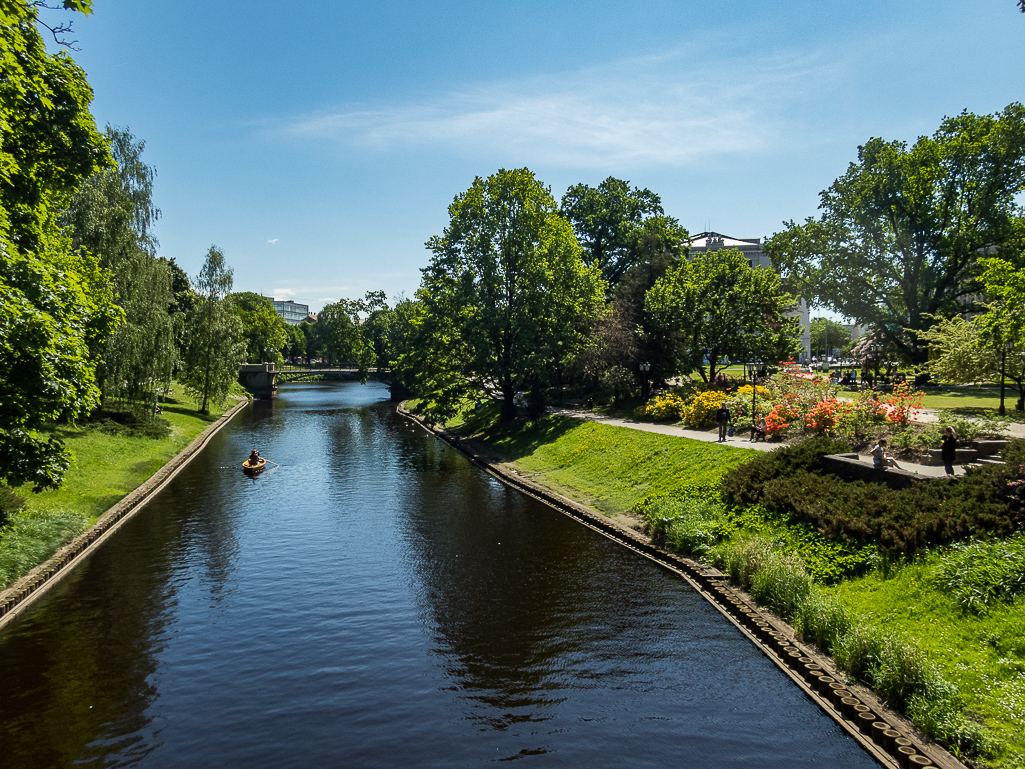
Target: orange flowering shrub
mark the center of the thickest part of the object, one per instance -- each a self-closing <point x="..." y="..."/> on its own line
<point x="783" y="414"/>
<point x="902" y="406"/>
<point x="823" y="416"/>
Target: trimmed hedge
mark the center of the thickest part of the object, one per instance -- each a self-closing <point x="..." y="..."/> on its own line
<point x="790" y="481"/>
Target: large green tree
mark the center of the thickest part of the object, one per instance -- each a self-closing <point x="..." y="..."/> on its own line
<point x="216" y="347"/>
<point x="900" y="233"/>
<point x="508" y="290"/>
<point x="342" y="331"/>
<point x="54" y="304"/>
<point x="616" y="225"/>
<point x="828" y="335"/>
<point x="112" y="216"/>
<point x="265" y="331"/>
<point x="716" y="308"/>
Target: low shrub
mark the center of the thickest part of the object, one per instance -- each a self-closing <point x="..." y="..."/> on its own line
<point x="666" y="406"/>
<point x="896" y="669"/>
<point x="743" y="485"/>
<point x="31" y="538"/>
<point x="10" y="504"/>
<point x="688" y="525"/>
<point x="790" y="483"/>
<point x="970" y="428"/>
<point x="135" y="423"/>
<point x="700" y="412"/>
<point x="979" y="574"/>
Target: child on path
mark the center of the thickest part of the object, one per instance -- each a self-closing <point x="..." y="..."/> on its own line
<point x="948" y="451"/>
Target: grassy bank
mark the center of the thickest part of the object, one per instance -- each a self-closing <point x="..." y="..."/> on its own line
<point x="106" y="467"/>
<point x="891" y="621"/>
<point x="611" y="469"/>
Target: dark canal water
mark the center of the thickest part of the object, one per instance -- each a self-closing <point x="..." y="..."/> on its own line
<point x="378" y="602"/>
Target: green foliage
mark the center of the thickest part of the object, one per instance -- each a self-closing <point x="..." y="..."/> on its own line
<point x="688" y="525"/>
<point x="507" y="293"/>
<point x="901" y="231"/>
<point x="970" y="428"/>
<point x="55" y="305"/>
<point x="614" y="224"/>
<point x="10" y="504"/>
<point x="895" y="668"/>
<point x="130" y="423"/>
<point x="216" y="348"/>
<point x="31" y="538"/>
<point x="790" y="482"/>
<point x="980" y="573"/>
<point x="743" y="485"/>
<point x="342" y="334"/>
<point x="266" y="332"/>
<point x="828" y="335"/>
<point x="716" y="306"/>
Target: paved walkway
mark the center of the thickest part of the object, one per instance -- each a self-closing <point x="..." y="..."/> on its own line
<point x="741" y="440"/>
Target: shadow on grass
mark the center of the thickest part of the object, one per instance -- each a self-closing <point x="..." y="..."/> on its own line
<point x="512" y="440"/>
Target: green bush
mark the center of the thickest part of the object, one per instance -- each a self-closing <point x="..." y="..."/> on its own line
<point x="10" y="504"/>
<point x="782" y="583"/>
<point x="980" y="573"/>
<point x="970" y="428"/>
<point x="895" y="669"/>
<point x="135" y="423"/>
<point x="689" y="525"/>
<point x="742" y="485"/>
<point x="902" y="521"/>
<point x="31" y="538"/>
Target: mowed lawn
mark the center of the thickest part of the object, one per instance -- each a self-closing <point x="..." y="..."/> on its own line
<point x="108" y="467"/>
<point x="608" y="468"/>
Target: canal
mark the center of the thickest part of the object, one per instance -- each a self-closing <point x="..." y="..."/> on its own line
<point x="377" y="601"/>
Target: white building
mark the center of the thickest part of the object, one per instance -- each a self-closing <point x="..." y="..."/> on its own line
<point x="751" y="248"/>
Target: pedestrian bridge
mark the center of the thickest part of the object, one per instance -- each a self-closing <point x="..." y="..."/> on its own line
<point x="262" y="379"/>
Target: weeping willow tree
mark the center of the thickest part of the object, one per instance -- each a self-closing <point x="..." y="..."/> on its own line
<point x="112" y="217"/>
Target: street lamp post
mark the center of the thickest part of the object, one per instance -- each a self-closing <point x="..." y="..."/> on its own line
<point x="645" y="368"/>
<point x="753" y="368"/>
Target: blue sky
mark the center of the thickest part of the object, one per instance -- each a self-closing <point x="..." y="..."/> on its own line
<point x="320" y="144"/>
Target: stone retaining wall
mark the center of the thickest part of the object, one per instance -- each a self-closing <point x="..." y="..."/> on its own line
<point x="19" y="596"/>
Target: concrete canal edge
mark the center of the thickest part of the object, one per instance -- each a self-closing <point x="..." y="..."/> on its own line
<point x="891" y="739"/>
<point x="27" y="590"/>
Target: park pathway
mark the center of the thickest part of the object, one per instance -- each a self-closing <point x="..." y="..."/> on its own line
<point x="742" y="438"/>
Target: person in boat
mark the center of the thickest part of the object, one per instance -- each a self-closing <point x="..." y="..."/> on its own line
<point x="254" y="457"/>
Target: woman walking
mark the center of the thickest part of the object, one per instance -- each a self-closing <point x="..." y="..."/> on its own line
<point x="948" y="451"/>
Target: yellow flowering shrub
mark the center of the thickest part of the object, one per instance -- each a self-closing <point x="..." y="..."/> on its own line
<point x="763" y="392"/>
<point x="665" y="406"/>
<point x="701" y="410"/>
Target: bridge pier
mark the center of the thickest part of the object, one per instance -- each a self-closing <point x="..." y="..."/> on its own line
<point x="259" y="378"/>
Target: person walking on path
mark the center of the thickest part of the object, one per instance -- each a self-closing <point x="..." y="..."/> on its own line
<point x="880" y="459"/>
<point x="722" y="417"/>
<point x="948" y="451"/>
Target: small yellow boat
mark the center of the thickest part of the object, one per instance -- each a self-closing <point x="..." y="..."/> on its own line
<point x="253" y="469"/>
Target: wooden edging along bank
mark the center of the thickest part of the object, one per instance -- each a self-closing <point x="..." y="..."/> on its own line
<point x="25" y="591"/>
<point x="888" y="737"/>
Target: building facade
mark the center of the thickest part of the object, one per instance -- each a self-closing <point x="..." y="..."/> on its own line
<point x="751" y="248"/>
<point x="292" y="312"/>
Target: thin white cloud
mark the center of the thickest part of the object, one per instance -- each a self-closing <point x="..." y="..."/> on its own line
<point x="669" y="110"/>
<point x="273" y="240"/>
<point x="282" y="294"/>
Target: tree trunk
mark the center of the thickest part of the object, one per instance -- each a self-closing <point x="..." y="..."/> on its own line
<point x="508" y="401"/>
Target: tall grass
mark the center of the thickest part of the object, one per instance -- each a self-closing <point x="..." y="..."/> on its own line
<point x="980" y="573"/>
<point x="31" y="538"/>
<point x="894" y="667"/>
